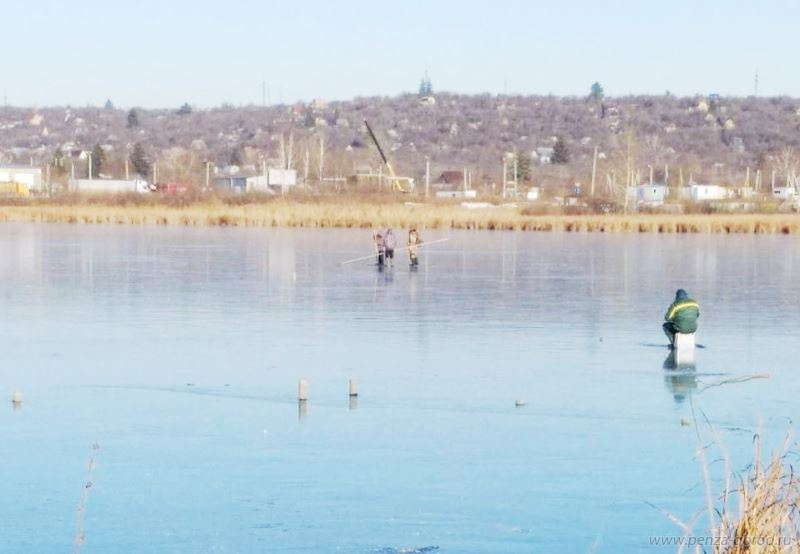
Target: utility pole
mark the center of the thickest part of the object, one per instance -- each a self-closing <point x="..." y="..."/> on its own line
<point x="505" y="174"/>
<point x="465" y="182"/>
<point x="427" y="175"/>
<point x="515" y="177"/>
<point x="305" y="169"/>
<point x="208" y="173"/>
<point x="773" y="180"/>
<point x="321" y="158"/>
<point x="594" y="171"/>
<point x="90" y="166"/>
<point x="127" y="177"/>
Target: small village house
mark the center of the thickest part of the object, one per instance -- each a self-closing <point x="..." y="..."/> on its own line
<point x="544" y="154"/>
<point x="784" y="193"/>
<point x="25" y="177"/>
<point x="700" y="193"/>
<point x="648" y="195"/>
<point x="454" y="184"/>
<point x="275" y="180"/>
<point x="533" y="194"/>
<point x="231" y="184"/>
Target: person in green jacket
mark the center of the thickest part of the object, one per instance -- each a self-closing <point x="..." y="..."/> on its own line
<point x="681" y="316"/>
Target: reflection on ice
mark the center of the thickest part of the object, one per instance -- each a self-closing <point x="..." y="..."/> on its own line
<point x="680" y="377"/>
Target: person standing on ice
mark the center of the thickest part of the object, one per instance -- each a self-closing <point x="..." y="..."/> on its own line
<point x="390" y="242"/>
<point x="414" y="240"/>
<point x="380" y="249"/>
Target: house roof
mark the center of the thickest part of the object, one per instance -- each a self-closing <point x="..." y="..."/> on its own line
<point x="451" y="177"/>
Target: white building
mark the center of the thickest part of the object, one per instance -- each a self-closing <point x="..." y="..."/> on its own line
<point x="457" y="194"/>
<point x="28" y="177"/>
<point x="648" y="195"/>
<point x="699" y="193"/>
<point x="109" y="185"/>
<point x="784" y="193"/>
<point x="544" y="154"/>
<point x="280" y="179"/>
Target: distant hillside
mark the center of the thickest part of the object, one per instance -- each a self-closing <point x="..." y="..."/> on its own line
<point x="713" y="139"/>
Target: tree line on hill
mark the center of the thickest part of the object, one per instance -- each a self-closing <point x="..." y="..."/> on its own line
<point x="553" y="140"/>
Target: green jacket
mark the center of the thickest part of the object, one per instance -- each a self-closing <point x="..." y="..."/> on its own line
<point x="683" y="314"/>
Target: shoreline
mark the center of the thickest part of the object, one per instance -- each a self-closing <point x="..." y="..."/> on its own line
<point x="365" y="215"/>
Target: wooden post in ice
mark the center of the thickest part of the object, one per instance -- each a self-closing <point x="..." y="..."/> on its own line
<point x="302" y="390"/>
<point x="684" y="348"/>
<point x="353" y="387"/>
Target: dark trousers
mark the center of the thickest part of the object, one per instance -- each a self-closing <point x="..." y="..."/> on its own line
<point x="380" y="257"/>
<point x="669" y="330"/>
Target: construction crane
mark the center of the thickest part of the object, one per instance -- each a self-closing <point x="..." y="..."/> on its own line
<point x="396" y="186"/>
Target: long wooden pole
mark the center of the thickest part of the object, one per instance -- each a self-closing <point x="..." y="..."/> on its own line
<point x="396" y="250"/>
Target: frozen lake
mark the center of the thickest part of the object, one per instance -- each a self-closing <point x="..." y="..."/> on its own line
<point x="179" y="351"/>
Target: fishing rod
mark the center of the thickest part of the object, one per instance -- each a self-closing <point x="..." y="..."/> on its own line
<point x="396" y="250"/>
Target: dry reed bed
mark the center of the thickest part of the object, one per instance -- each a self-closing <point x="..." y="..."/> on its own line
<point x="758" y="510"/>
<point x="365" y="215"/>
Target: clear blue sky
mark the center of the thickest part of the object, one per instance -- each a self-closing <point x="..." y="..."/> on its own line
<point x="163" y="53"/>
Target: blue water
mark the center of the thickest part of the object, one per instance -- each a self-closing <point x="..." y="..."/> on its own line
<point x="178" y="351"/>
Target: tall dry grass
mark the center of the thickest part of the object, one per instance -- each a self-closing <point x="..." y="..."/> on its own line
<point x="367" y="213"/>
<point x="757" y="510"/>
